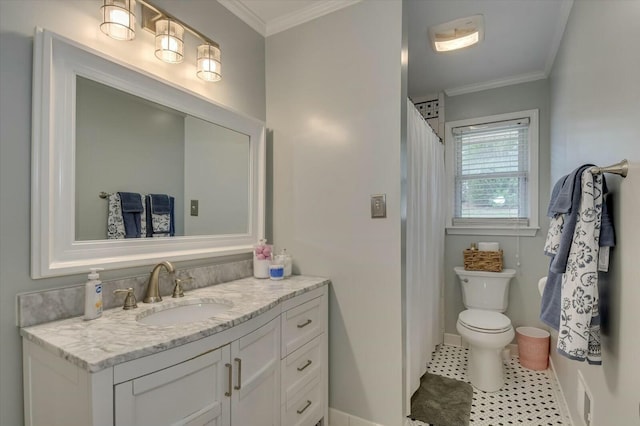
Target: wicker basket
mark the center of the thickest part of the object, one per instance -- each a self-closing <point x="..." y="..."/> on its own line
<point x="476" y="260"/>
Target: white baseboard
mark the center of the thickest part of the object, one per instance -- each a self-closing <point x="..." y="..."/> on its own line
<point x="451" y="339"/>
<point x="559" y="396"/>
<point x="340" y="418"/>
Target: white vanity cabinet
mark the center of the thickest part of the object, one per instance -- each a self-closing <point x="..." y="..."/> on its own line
<point x="268" y="371"/>
<point x="255" y="398"/>
<point x="238" y="382"/>
<point x="190" y="393"/>
<point x="304" y="364"/>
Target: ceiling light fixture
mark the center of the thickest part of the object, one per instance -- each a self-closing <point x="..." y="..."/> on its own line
<point x="119" y="19"/>
<point x="119" y="22"/>
<point x="457" y="34"/>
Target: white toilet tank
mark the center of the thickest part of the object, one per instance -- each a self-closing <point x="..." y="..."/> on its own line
<point x="485" y="290"/>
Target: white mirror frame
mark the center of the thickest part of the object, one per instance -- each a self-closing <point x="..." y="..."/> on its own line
<point x="54" y="250"/>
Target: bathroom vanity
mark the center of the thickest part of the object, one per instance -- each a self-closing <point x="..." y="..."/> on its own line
<point x="262" y="360"/>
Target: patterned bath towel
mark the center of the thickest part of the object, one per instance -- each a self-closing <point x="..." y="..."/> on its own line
<point x="579" y="332"/>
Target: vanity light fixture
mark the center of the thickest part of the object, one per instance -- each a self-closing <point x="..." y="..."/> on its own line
<point x="169" y="41"/>
<point x="119" y="19"/>
<point x="457" y="34"/>
<point x="208" y="65"/>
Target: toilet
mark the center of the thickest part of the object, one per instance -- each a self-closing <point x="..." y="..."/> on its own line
<point x="483" y="326"/>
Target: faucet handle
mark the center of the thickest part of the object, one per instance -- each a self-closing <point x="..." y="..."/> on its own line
<point x="130" y="300"/>
<point x="177" y="290"/>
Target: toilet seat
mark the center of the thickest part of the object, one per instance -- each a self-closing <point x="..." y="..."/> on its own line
<point x="484" y="321"/>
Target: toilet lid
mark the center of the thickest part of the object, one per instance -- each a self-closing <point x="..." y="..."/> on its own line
<point x="489" y="321"/>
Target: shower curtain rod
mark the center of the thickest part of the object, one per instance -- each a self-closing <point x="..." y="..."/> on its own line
<point x="621" y="168"/>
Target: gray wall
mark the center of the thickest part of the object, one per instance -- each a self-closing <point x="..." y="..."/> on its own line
<point x="123" y="143"/>
<point x="595" y="117"/>
<point x="334" y="104"/>
<point x="217" y="175"/>
<point x="242" y="88"/>
<point x="524" y="299"/>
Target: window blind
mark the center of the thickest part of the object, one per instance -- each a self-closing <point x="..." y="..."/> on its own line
<point x="491" y="173"/>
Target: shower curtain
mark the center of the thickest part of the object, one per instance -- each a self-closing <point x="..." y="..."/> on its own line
<point x="425" y="245"/>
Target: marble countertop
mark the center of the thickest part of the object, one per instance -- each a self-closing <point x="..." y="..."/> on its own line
<point x="117" y="336"/>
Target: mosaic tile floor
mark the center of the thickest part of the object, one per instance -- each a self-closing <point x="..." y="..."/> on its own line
<point x="528" y="397"/>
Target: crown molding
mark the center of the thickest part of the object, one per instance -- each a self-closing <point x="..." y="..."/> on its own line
<point x="245" y="14"/>
<point x="563" y="17"/>
<point x="493" y="84"/>
<point x="306" y="14"/>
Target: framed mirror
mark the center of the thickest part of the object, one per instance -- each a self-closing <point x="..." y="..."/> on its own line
<point x="101" y="128"/>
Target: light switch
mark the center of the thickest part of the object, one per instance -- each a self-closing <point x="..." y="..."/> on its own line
<point x="194" y="207"/>
<point x="378" y="206"/>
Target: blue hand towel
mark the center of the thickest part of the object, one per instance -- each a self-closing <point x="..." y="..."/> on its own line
<point x="559" y="263"/>
<point x="607" y="231"/>
<point x="160" y="204"/>
<point x="172" y="224"/>
<point x="166" y="204"/>
<point x="562" y="195"/>
<point x="551" y="298"/>
<point x="550" y="304"/>
<point x="551" y="211"/>
<point x="131" y="204"/>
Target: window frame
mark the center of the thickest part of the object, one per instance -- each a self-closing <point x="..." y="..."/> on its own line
<point x="482" y="226"/>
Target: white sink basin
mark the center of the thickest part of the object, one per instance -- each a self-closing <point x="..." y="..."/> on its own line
<point x="185" y="313"/>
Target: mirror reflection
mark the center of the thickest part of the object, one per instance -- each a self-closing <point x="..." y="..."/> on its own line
<point x="164" y="173"/>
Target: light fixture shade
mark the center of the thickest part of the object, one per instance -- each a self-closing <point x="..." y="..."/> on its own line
<point x="209" y="65"/>
<point x="169" y="41"/>
<point x="459" y="41"/>
<point x="119" y="19"/>
<point x="457" y="34"/>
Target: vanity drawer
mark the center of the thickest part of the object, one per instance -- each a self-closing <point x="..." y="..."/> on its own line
<point x="302" y="323"/>
<point x="300" y="367"/>
<point x="307" y="408"/>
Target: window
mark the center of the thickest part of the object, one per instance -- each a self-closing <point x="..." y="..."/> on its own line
<point x="492" y="167"/>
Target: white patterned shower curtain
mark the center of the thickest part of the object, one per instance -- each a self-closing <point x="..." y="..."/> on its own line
<point x="425" y="245"/>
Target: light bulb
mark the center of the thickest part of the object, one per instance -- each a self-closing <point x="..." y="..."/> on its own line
<point x="169" y="44"/>
<point x="119" y="19"/>
<point x="208" y="64"/>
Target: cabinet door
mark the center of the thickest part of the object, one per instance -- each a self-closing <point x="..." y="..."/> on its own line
<point x="190" y="393"/>
<point x="255" y="400"/>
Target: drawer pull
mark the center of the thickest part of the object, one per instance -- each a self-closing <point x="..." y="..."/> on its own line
<point x="305" y="366"/>
<point x="304" y="408"/>
<point x="239" y="385"/>
<point x="304" y="324"/>
<point x="228" y="392"/>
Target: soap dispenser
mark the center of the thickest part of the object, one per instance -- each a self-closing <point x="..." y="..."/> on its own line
<point x="93" y="295"/>
<point x="285" y="259"/>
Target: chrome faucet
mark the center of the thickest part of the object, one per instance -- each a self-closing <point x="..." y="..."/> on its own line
<point x="153" y="293"/>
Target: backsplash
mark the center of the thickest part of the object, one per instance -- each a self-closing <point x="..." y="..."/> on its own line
<point x="56" y="304"/>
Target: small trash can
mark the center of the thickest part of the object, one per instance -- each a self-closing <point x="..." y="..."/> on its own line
<point x="533" y="347"/>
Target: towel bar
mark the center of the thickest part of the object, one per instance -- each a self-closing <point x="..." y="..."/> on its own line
<point x="104" y="194"/>
<point x="621" y="168"/>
